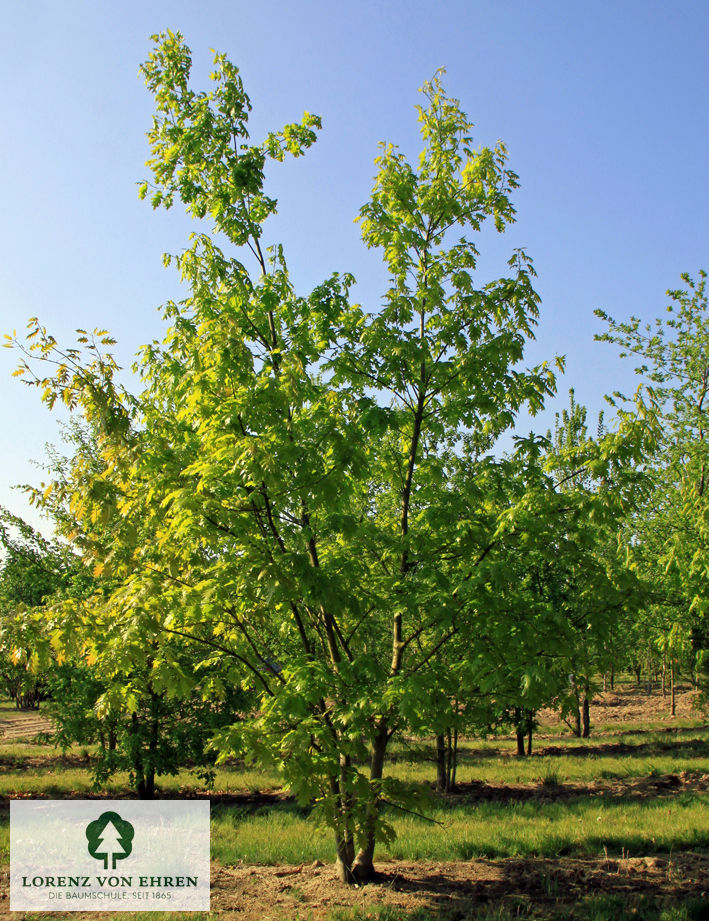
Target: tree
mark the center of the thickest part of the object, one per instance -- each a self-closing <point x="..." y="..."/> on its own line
<point x="32" y="569"/>
<point x="670" y="536"/>
<point x="150" y="707"/>
<point x="589" y="638"/>
<point x="301" y="487"/>
<point x="568" y="583"/>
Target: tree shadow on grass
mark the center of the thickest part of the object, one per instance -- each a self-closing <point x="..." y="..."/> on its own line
<point x="426" y="754"/>
<point x="564" y="888"/>
<point x="679" y="747"/>
<point x="639" y="789"/>
<point x="615" y="846"/>
<point x="50" y="761"/>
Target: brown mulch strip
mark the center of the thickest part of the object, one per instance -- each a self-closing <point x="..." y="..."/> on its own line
<point x="459" y="886"/>
<point x="258" y="893"/>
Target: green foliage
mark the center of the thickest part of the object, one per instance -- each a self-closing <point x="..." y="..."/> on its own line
<point x="32" y="570"/>
<point x="149" y="715"/>
<point x="670" y="536"/>
<point x="303" y="490"/>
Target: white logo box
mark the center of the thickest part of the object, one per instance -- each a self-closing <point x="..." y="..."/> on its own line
<point x="109" y="855"/>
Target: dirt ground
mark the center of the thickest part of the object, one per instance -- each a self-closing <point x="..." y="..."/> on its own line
<point x="630" y="704"/>
<point x="19" y="724"/>
<point x="455" y="890"/>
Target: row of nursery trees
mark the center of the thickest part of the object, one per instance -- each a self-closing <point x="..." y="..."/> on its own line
<point x="293" y="539"/>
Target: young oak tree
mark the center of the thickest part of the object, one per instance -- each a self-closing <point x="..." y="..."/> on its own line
<point x="671" y="534"/>
<point x="149" y="703"/>
<point x="299" y="489"/>
<point x="559" y="571"/>
<point x="32" y="569"/>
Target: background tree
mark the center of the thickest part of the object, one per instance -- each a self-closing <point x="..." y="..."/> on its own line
<point x="588" y="636"/>
<point x="145" y="705"/>
<point x="670" y="534"/>
<point x="32" y="569"/>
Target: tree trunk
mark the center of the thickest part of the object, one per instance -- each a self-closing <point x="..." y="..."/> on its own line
<point x="146" y="785"/>
<point x="519" y="731"/>
<point x="344" y="850"/>
<point x="455" y="759"/>
<point x="446" y="761"/>
<point x="146" y="766"/>
<point x="637" y="671"/>
<point x="672" y="689"/>
<point x="344" y="839"/>
<point x="28" y="699"/>
<point x="143" y="767"/>
<point x="529" y="738"/>
<point x="363" y="866"/>
<point x="440" y="764"/>
<point x="576" y="729"/>
<point x="612" y="678"/>
<point x="664" y="673"/>
<point x="585" y="709"/>
<point x="449" y="760"/>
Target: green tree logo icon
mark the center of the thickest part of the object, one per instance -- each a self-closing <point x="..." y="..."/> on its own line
<point x="110" y="839"/>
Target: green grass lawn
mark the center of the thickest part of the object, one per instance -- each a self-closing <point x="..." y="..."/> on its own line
<point x="581" y="822"/>
<point x="583" y="827"/>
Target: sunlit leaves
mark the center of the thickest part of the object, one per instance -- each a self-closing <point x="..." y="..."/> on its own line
<point x="199" y="143"/>
<point x="302" y="503"/>
<point x="669" y="538"/>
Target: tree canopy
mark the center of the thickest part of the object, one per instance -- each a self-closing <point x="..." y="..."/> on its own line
<point x="302" y="491"/>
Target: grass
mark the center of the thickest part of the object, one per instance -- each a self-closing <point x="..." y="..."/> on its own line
<point x="518" y="826"/>
<point x="641" y="756"/>
<point x="137" y="916"/>
<point x="622" y="756"/>
<point x="605" y="908"/>
<point x="284" y="833"/>
<point x="37" y="768"/>
<point x="584" y="827"/>
<point x="598" y="908"/>
<point x="586" y="798"/>
<point x="601" y="908"/>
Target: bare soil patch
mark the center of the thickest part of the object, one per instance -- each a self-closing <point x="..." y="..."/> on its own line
<point x="21" y="724"/>
<point x="634" y="788"/>
<point x="632" y="704"/>
<point x="455" y="890"/>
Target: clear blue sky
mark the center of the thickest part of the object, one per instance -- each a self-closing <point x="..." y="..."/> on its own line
<point x="603" y="107"/>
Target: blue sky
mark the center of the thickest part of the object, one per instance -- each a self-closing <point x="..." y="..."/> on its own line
<point x="602" y="107"/>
